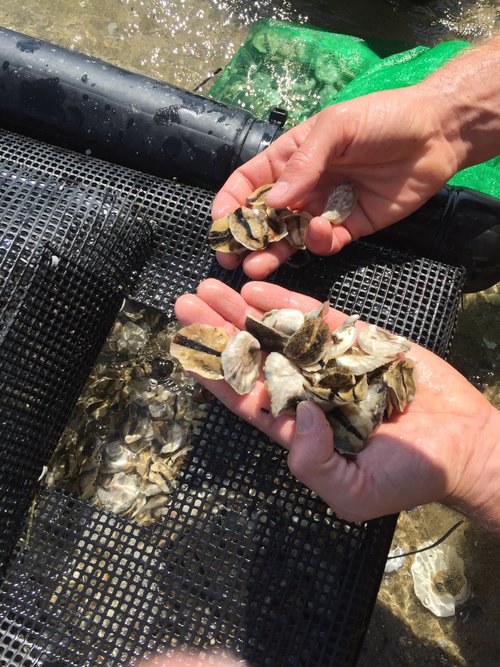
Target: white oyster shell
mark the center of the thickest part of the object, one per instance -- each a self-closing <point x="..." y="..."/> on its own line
<point x="343" y="337"/>
<point x="241" y="362"/>
<point x="285" y="384"/>
<point x="340" y="203"/>
<point x="380" y="343"/>
<point x="284" y="320"/>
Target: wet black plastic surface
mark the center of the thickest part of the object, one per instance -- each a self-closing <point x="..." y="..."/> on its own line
<point x="246" y="558"/>
<point x="77" y="101"/>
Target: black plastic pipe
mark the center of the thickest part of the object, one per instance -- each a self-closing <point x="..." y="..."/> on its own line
<point x="76" y="101"/>
<point x="457" y="226"/>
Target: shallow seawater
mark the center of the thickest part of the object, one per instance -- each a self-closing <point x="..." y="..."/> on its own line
<point x="182" y="42"/>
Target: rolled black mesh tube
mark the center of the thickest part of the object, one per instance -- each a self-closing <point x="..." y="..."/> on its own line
<point x="86" y="104"/>
<point x="457" y="226"/>
<point x="246" y="557"/>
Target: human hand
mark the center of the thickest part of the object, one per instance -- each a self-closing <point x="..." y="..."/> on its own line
<point x="392" y="145"/>
<point x="191" y="658"/>
<point x="429" y="453"/>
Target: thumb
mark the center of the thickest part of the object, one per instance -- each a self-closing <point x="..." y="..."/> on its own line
<point x="311" y="451"/>
<point x="301" y="173"/>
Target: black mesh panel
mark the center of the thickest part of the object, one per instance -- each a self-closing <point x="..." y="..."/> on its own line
<point x="246" y="557"/>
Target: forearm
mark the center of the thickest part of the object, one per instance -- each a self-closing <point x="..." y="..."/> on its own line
<point x="478" y="496"/>
<point x="467" y="96"/>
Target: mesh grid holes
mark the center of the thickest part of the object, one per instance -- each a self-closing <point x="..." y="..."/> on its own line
<point x="249" y="558"/>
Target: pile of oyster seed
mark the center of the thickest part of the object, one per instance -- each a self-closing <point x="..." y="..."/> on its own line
<point x="356" y="378"/>
<point x="255" y="226"/>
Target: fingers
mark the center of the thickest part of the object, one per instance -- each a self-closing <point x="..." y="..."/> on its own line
<point x="266" y="296"/>
<point x="226" y="302"/>
<point x="190" y="309"/>
<point x="261" y="263"/>
<point x="229" y="260"/>
<point x="247" y="178"/>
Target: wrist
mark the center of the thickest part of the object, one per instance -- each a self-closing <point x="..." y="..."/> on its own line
<point x="477" y="496"/>
<point x="465" y="95"/>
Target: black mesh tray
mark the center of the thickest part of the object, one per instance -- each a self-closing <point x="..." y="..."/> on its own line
<point x="246" y="558"/>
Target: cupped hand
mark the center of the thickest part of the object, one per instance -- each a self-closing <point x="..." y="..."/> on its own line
<point x="392" y="145"/>
<point x="423" y="455"/>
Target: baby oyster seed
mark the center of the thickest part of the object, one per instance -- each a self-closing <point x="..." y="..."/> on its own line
<point x="358" y="362"/>
<point x="343" y="337"/>
<point x="277" y="229"/>
<point x="249" y="227"/>
<point x="297" y="224"/>
<point x="257" y="198"/>
<point x="378" y="342"/>
<point x="285" y="384"/>
<point x="221" y="238"/>
<point x="353" y="423"/>
<point x="241" y="362"/>
<point x="340" y="203"/>
<point x="400" y="381"/>
<point x="270" y="339"/>
<point x="309" y="343"/>
<point x="198" y="347"/>
<point x="284" y="320"/>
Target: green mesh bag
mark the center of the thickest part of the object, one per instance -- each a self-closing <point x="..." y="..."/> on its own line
<point x="287" y="65"/>
<point x="303" y="69"/>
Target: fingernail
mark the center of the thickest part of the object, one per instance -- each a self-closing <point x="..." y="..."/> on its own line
<point x="278" y="190"/>
<point x="304" y="418"/>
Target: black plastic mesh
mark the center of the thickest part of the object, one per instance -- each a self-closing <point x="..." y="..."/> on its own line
<point x="246" y="557"/>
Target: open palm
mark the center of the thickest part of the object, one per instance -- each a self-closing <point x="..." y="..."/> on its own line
<point x="415" y="458"/>
<point x="391" y="145"/>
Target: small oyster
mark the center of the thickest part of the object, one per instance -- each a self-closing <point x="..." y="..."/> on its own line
<point x="198" y="347"/>
<point x="257" y="198"/>
<point x="380" y="343"/>
<point x="400" y="383"/>
<point x="118" y="493"/>
<point x="241" y="360"/>
<point x="297" y="225"/>
<point x="249" y="227"/>
<point x="340" y="203"/>
<point x="221" y="239"/>
<point x="284" y="320"/>
<point x="277" y="229"/>
<point x="358" y="362"/>
<point x="270" y="339"/>
<point x="117" y="458"/>
<point x="344" y="388"/>
<point x="343" y="337"/>
<point x="285" y="384"/>
<point x="354" y="422"/>
<point x="309" y="343"/>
